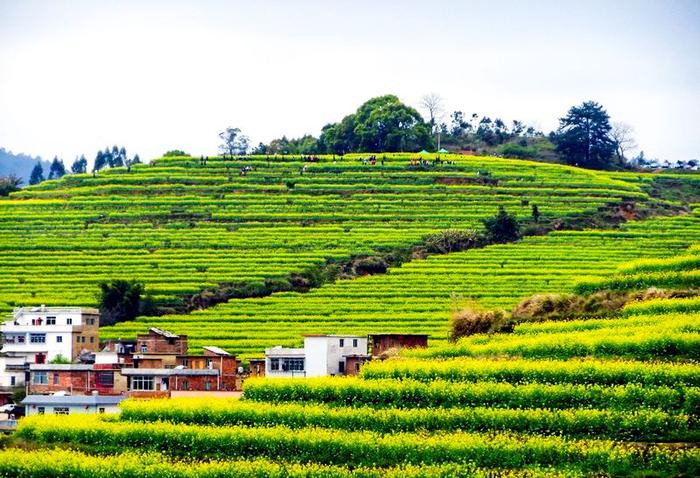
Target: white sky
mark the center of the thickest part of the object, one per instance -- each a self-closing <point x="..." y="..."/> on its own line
<point x="76" y="76"/>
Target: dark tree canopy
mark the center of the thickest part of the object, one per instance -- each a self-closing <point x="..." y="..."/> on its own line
<point x="57" y="169"/>
<point x="79" y="166"/>
<point x="583" y="137"/>
<point x="9" y="184"/>
<point x="120" y="300"/>
<point x="381" y="124"/>
<point x="37" y="175"/>
<point x="502" y="227"/>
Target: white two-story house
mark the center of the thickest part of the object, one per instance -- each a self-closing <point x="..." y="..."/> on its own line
<point x="37" y="335"/>
<point x="322" y="355"/>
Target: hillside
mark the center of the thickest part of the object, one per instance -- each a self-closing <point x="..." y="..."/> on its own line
<point x="19" y="165"/>
<point x="614" y="396"/>
<point x="182" y="227"/>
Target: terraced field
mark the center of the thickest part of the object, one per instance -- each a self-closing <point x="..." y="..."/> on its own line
<point x="483" y="407"/>
<point x="180" y="226"/>
<point x="418" y="296"/>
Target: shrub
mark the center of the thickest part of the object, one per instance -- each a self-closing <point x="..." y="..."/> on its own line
<point x="370" y="265"/>
<point x="175" y="152"/>
<point x="502" y="227"/>
<point x="470" y="321"/>
<point x="120" y="300"/>
<point x="452" y="240"/>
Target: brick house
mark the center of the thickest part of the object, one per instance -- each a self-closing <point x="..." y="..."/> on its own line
<point x="76" y="379"/>
<point x="381" y="343"/>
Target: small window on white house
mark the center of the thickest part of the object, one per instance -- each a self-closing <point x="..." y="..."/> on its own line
<point x="13" y="381"/>
<point x="342" y="342"/>
<point x="50" y="320"/>
<point x="59" y="339"/>
<point x="354" y="342"/>
<point x="69" y="321"/>
<point x="61" y="410"/>
<point x="40" y="410"/>
<point x="101" y="410"/>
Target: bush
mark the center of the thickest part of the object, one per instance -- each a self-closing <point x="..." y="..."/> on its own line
<point x="370" y="265"/>
<point x="60" y="359"/>
<point x="120" y="300"/>
<point x="452" y="240"/>
<point x="469" y="321"/>
<point x="9" y="185"/>
<point x="568" y="306"/>
<point x="175" y="152"/>
<point x="502" y="227"/>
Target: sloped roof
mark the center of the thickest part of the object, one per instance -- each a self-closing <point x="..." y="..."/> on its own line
<point x="164" y="333"/>
<point x="216" y="350"/>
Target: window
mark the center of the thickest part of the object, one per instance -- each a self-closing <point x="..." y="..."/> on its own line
<point x="210" y="363"/>
<point x="92" y="340"/>
<point x="293" y="365"/>
<point x="185" y="362"/>
<point x="37" y="338"/>
<point x="101" y="410"/>
<point x="184" y="385"/>
<point x="207" y="385"/>
<point x="20" y="339"/>
<point x="13" y="381"/>
<point x="357" y="366"/>
<point x="341" y="367"/>
<point x="274" y="364"/>
<point x="50" y="320"/>
<point x="40" y="378"/>
<point x="55" y="378"/>
<point x="104" y="379"/>
<point x="40" y="410"/>
<point x="144" y="348"/>
<point x="69" y="321"/>
<point x="59" y="339"/>
<point x="354" y="342"/>
<point x="61" y="410"/>
<point x="90" y="321"/>
<point x="342" y="342"/>
<point x="142" y="383"/>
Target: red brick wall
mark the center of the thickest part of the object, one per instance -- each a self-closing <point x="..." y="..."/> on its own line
<point x="157" y="344"/>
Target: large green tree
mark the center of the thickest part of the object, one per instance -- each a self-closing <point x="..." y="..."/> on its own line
<point x="583" y="137"/>
<point x="380" y="124"/>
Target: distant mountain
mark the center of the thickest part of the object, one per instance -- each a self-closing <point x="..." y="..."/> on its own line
<point x="19" y="165"/>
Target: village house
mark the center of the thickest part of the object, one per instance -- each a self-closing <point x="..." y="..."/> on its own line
<point x="38" y="335"/>
<point x="71" y="404"/>
<point x="382" y="343"/>
<point x="321" y="355"/>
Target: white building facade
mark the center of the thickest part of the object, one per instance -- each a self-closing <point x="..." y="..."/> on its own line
<point x="322" y="355"/>
<point x="40" y="334"/>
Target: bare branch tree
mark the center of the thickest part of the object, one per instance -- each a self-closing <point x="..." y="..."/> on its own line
<point x="621" y="134"/>
<point x="432" y="103"/>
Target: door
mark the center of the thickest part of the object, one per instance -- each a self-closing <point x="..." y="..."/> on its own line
<point x="341" y="367"/>
<point x="40" y="358"/>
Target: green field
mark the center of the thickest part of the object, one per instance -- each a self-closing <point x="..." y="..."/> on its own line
<point x="181" y="227"/>
<point x="486" y="406"/>
<point x="613" y="395"/>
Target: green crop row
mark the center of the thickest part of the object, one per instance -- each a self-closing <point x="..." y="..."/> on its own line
<point x="599" y="372"/>
<point x="415" y="394"/>
<point x="640" y="425"/>
<point x="332" y="447"/>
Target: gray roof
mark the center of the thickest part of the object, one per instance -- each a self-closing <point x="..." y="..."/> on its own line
<point x="284" y="352"/>
<point x="59" y="366"/>
<point x="164" y="333"/>
<point x="168" y="371"/>
<point x="73" y="400"/>
<point x="216" y="350"/>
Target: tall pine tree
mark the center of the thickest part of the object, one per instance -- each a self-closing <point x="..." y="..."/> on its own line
<point x="583" y="137"/>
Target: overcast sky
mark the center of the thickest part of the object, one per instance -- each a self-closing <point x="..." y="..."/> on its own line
<point x="76" y="76"/>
